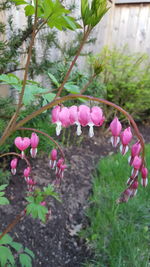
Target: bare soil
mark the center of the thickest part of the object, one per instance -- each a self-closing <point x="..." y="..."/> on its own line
<point x="57" y="243"/>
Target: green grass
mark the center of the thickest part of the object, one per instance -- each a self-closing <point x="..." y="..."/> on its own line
<point x="118" y="234"/>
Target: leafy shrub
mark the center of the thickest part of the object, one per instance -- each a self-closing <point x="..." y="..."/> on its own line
<point x="126" y="80"/>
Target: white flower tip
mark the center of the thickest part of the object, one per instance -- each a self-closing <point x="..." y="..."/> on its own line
<point x="115" y="140"/>
<point x="144" y="182"/>
<point x="58" y="129"/>
<point x="79" y="131"/>
<point x="91" y="131"/>
<point x="124" y="149"/>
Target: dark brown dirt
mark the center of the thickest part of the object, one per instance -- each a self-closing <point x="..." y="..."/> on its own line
<point x="57" y="243"/>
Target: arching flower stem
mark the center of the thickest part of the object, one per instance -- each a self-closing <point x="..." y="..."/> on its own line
<point x="17" y="155"/>
<point x="48" y="136"/>
<point x="86" y="97"/>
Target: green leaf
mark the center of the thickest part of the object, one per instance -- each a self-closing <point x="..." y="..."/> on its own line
<point x="25" y="260"/>
<point x="6" y="239"/>
<point x="70" y="23"/>
<point x="37" y="211"/>
<point x="31" y="91"/>
<point x="54" y="80"/>
<point x="28" y="251"/>
<point x="2" y="187"/>
<point x="49" y="191"/>
<point x="92" y="16"/>
<point x="42" y="211"/>
<point x="6" y="256"/>
<point x="10" y="79"/>
<point x="4" y="201"/>
<point x="19" y="2"/>
<point x="71" y="88"/>
<point x="85" y="11"/>
<point x="2" y="194"/>
<point x="29" y="10"/>
<point x="17" y="246"/>
<point x="49" y="97"/>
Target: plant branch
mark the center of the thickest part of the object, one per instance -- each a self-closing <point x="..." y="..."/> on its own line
<point x="14" y="118"/>
<point x="48" y="136"/>
<point x="85" y="36"/>
<point x="86" y="97"/>
<point x="16" y="154"/>
<point x="13" y="223"/>
<point x="88" y="83"/>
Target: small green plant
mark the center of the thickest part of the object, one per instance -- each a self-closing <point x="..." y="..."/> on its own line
<point x="117" y="235"/>
<point x="22" y="255"/>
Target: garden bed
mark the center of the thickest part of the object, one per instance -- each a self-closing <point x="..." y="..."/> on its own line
<point x="57" y="243"/>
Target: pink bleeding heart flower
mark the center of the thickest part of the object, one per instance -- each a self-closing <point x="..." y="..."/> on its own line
<point x="73" y="111"/>
<point x="53" y="158"/>
<point x="34" y="140"/>
<point x="125" y="196"/>
<point x="13" y="165"/>
<point x="61" y="117"/>
<point x="58" y="166"/>
<point x="96" y="119"/>
<point x="64" y="116"/>
<point x="55" y="119"/>
<point x="26" y="173"/>
<point x="144" y="174"/>
<point x="126" y="137"/>
<point x="134" y="187"/>
<point x="30" y="184"/>
<point x="84" y="115"/>
<point x="115" y="128"/>
<point x="135" y="151"/>
<point x="22" y="143"/>
<point x="136" y="163"/>
<point x="59" y="173"/>
<point x="62" y="169"/>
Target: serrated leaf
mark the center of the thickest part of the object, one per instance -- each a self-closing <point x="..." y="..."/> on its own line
<point x="30" y="252"/>
<point x="4" y="201"/>
<point x="17" y="246"/>
<point x="2" y="187"/>
<point x="25" y="260"/>
<point x="71" y="88"/>
<point x="29" y="10"/>
<point x="54" y="80"/>
<point x="6" y="239"/>
<point x="49" y="191"/>
<point x="42" y="211"/>
<point x="6" y="256"/>
<point x="31" y="91"/>
<point x="30" y="199"/>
